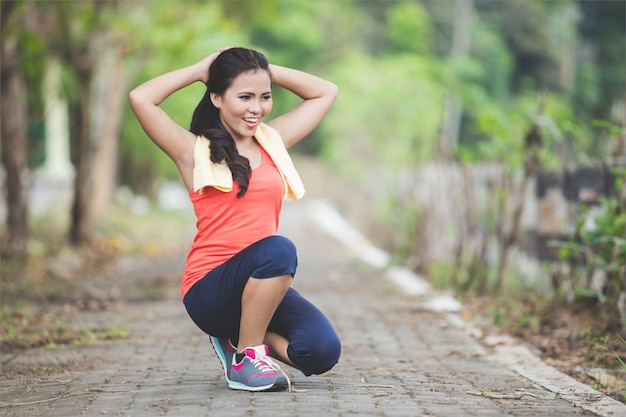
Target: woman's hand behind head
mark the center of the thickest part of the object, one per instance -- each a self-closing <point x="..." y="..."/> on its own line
<point x="205" y="64"/>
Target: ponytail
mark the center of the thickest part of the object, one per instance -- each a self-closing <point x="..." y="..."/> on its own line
<point x="206" y="122"/>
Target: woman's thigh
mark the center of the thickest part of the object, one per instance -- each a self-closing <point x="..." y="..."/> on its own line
<point x="214" y="302"/>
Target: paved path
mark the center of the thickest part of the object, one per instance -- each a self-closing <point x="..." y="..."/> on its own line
<point x="399" y="358"/>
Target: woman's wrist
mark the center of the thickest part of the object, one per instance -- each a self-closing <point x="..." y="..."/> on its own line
<point x="200" y="73"/>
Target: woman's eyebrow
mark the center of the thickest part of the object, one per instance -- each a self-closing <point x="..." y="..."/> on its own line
<point x="250" y="93"/>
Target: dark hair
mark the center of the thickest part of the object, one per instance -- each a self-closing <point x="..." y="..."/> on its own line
<point x="206" y="117"/>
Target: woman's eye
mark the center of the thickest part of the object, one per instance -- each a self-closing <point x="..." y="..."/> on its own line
<point x="267" y="97"/>
<point x="245" y="98"/>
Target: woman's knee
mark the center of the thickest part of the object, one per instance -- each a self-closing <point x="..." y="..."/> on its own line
<point x="318" y="356"/>
<point x="282" y="247"/>
<point x="276" y="255"/>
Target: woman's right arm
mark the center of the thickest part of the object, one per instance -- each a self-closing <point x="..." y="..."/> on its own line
<point x="176" y="141"/>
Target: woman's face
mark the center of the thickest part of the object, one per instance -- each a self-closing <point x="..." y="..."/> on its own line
<point x="245" y="103"/>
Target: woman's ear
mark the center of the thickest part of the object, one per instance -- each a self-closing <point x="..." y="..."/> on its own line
<point x="216" y="99"/>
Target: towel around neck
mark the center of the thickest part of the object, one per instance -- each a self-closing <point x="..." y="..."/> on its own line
<point x="218" y="175"/>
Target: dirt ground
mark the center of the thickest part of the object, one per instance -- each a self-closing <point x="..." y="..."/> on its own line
<point x="575" y="339"/>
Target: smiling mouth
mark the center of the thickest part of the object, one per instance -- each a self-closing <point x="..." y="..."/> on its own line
<point x="251" y="119"/>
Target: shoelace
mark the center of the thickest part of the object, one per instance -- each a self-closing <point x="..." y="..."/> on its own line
<point x="264" y="364"/>
<point x="269" y="362"/>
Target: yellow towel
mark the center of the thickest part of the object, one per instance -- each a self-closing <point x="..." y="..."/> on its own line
<point x="207" y="173"/>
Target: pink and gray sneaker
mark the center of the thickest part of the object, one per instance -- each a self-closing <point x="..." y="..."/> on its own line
<point x="256" y="372"/>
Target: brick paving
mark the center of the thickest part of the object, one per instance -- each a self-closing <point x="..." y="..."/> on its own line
<point x="398" y="358"/>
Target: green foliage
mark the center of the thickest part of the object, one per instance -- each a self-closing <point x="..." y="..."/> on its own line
<point x="152" y="53"/>
<point x="600" y="242"/>
<point x="357" y="45"/>
<point x="499" y="132"/>
<point x="523" y="25"/>
<point x="603" y="351"/>
<point x="280" y="32"/>
<point x="392" y="63"/>
<point x="586" y="88"/>
<point x="602" y="27"/>
<point x="33" y="50"/>
<point x="600" y="238"/>
<point x="407" y="219"/>
<point x="620" y="359"/>
<point x="498" y="316"/>
<point x="388" y="114"/>
<point x="408" y="28"/>
<point x="495" y="64"/>
<point x="25" y="326"/>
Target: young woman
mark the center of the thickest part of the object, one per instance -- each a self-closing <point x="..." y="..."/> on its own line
<point x="236" y="286"/>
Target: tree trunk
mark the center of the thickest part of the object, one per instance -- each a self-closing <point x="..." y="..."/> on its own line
<point x="460" y="48"/>
<point x="80" y="226"/>
<point x="13" y="131"/>
<point x="566" y="30"/>
<point x="110" y="90"/>
<point x="98" y="120"/>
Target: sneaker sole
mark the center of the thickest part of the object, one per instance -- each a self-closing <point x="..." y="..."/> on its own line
<point x="220" y="355"/>
<point x="279" y="385"/>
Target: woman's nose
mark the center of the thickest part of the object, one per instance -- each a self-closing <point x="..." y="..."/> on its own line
<point x="255" y="106"/>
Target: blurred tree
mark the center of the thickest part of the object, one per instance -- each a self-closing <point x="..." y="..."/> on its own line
<point x="490" y="64"/>
<point x="165" y="45"/>
<point x="443" y="15"/>
<point x="392" y="60"/>
<point x="389" y="115"/>
<point x="408" y="28"/>
<point x="554" y="61"/>
<point x="372" y="17"/>
<point x="80" y="40"/>
<point x="110" y="88"/>
<point x="523" y="26"/>
<point x="459" y="51"/>
<point x="14" y="125"/>
<point x="601" y="27"/>
<point x="83" y="36"/>
<point x="278" y="33"/>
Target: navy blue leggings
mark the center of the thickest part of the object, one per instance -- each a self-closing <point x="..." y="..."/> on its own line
<point x="214" y="304"/>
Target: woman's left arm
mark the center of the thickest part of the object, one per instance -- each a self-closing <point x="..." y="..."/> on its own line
<point x="318" y="96"/>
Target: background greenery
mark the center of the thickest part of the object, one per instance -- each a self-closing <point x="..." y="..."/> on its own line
<point x="525" y="84"/>
<point x="395" y="66"/>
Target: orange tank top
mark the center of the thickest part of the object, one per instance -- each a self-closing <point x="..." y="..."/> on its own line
<point x="227" y="224"/>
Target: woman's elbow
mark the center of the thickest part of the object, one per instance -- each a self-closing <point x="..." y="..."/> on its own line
<point x="333" y="90"/>
<point x="133" y="98"/>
